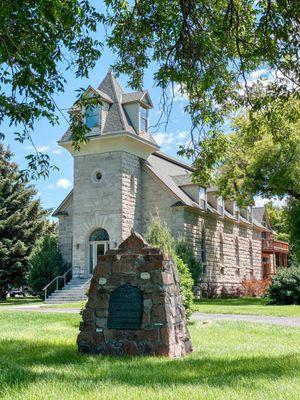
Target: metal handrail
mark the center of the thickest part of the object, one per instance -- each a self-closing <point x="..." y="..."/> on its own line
<point x="64" y="276"/>
<point x="81" y="287"/>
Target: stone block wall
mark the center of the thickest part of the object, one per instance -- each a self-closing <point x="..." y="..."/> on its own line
<point x="65" y="228"/>
<point x="153" y="323"/>
<point x="222" y="269"/>
<point x="155" y="198"/>
<point x="96" y="204"/>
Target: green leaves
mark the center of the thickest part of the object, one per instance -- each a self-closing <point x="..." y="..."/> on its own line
<point x="38" y="41"/>
<point x="210" y="49"/>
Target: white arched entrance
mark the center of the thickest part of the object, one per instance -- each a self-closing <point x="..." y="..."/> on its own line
<point x="98" y="244"/>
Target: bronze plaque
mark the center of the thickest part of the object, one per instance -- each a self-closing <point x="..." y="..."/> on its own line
<point x="125" y="309"/>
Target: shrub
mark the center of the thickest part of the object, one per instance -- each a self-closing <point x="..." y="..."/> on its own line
<point x="45" y="263"/>
<point x="209" y="290"/>
<point x="158" y="235"/>
<point x="255" y="287"/>
<point x="185" y="251"/>
<point x="285" y="287"/>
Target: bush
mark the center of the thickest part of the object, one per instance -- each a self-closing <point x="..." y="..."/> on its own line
<point x="285" y="287"/>
<point x="45" y="263"/>
<point x="158" y="235"/>
<point x="185" y="251"/>
<point x="255" y="287"/>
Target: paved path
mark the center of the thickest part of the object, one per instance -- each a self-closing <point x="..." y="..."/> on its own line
<point x="39" y="308"/>
<point x="263" y="319"/>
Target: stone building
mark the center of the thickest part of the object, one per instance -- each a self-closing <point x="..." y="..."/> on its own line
<point x="121" y="179"/>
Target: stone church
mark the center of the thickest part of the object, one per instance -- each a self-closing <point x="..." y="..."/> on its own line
<point x="121" y="179"/>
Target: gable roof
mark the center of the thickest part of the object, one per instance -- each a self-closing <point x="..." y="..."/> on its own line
<point x="141" y="96"/>
<point x="258" y="213"/>
<point x="261" y="215"/>
<point x="63" y="205"/>
<point x="163" y="167"/>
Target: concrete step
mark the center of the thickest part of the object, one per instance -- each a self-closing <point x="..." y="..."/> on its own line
<point x="51" y="301"/>
<point x="73" y="291"/>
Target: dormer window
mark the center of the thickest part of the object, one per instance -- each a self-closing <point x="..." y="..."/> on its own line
<point x="92" y="116"/>
<point x="220" y="204"/>
<point x="249" y="214"/>
<point x="202" y="198"/>
<point x="143" y="119"/>
<point x="236" y="211"/>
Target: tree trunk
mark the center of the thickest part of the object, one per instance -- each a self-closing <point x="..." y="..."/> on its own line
<point x="3" y="293"/>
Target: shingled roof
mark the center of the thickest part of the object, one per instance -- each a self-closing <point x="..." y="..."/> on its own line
<point x="258" y="213"/>
<point x="117" y="120"/>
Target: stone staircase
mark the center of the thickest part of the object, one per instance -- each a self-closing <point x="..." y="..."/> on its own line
<point x="73" y="291"/>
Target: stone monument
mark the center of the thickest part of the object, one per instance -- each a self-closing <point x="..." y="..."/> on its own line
<point x="134" y="305"/>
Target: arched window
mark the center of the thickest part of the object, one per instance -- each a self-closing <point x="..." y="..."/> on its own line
<point x="132" y="184"/>
<point x="221" y="248"/>
<point x="203" y="250"/>
<point x="99" y="235"/>
<point x="237" y="251"/>
<point x="220" y="205"/>
<point x="251" y="253"/>
<point x="98" y="244"/>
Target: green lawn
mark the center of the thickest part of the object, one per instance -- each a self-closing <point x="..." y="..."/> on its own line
<point x="20" y="301"/>
<point x="246" y="305"/>
<point x="231" y="361"/>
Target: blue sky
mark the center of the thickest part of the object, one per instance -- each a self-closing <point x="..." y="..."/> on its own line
<point x="53" y="189"/>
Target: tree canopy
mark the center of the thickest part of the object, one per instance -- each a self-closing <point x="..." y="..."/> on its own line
<point x="39" y="40"/>
<point x="210" y="50"/>
<point x="262" y="155"/>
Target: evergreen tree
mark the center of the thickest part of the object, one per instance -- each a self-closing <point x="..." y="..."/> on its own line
<point x="22" y="222"/>
<point x="45" y="264"/>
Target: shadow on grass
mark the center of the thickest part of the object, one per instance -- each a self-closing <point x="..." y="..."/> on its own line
<point x="19" y="301"/>
<point x="24" y="362"/>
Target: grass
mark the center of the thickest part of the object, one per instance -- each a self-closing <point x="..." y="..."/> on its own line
<point x="20" y="301"/>
<point x="32" y="300"/>
<point x="246" y="305"/>
<point x="231" y="361"/>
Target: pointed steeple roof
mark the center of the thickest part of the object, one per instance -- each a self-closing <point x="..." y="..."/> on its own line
<point x="116" y="120"/>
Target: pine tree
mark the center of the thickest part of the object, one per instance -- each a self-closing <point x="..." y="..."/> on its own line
<point x="45" y="263"/>
<point x="22" y="221"/>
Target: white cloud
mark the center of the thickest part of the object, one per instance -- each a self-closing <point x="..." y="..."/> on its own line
<point x="260" y="201"/>
<point x="49" y="148"/>
<point x="259" y="74"/>
<point x="63" y="183"/>
<point x="56" y="151"/>
<point x="164" y="139"/>
<point x="179" y="93"/>
<point x="182" y="134"/>
<point x="43" y="149"/>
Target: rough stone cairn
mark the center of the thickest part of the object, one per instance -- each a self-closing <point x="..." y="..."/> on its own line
<point x="134" y="306"/>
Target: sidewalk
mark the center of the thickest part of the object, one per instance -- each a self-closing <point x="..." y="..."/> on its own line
<point x="263" y="319"/>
